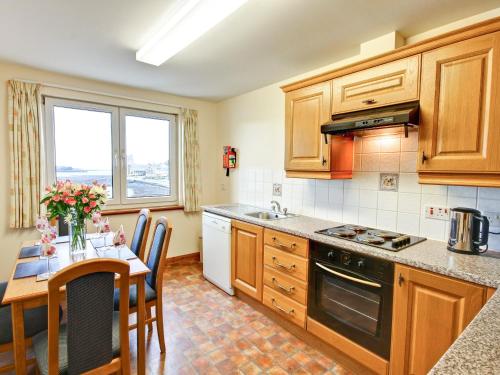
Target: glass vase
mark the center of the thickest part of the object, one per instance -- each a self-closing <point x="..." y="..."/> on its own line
<point x="77" y="235"/>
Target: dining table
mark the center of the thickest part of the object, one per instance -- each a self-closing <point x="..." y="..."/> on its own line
<point x="27" y="292"/>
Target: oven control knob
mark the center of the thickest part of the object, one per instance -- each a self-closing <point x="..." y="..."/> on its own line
<point x="361" y="264"/>
<point x="346" y="259"/>
<point x="331" y="255"/>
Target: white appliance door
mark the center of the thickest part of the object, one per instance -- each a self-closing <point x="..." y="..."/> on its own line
<point x="217" y="251"/>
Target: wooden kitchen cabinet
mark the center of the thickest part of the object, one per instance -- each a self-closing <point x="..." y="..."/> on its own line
<point x="246" y="258"/>
<point x="460" y="113"/>
<point x="306" y="110"/>
<point x="429" y="313"/>
<point x="391" y="83"/>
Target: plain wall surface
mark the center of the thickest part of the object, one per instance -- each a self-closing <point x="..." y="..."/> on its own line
<point x="187" y="227"/>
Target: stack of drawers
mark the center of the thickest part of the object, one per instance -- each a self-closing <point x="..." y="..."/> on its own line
<point x="285" y="275"/>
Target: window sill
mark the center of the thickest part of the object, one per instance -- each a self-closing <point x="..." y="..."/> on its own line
<point x="125" y="211"/>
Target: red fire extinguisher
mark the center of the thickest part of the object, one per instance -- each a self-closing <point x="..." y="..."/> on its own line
<point x="229" y="158"/>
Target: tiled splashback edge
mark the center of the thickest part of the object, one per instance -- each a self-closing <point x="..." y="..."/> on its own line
<point x="359" y="201"/>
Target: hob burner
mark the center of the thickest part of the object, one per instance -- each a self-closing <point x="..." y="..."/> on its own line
<point x="370" y="239"/>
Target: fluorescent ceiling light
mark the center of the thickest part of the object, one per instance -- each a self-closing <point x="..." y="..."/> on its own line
<point x="187" y="21"/>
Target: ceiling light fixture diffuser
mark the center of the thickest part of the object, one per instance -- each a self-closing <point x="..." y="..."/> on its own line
<point x="187" y="21"/>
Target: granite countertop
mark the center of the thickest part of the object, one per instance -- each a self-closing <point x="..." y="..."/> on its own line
<point x="477" y="350"/>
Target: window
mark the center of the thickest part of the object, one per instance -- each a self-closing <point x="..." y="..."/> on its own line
<point x="133" y="152"/>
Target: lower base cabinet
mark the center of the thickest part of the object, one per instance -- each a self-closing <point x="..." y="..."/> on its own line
<point x="430" y="312"/>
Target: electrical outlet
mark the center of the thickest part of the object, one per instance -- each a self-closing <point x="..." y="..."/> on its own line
<point x="277" y="190"/>
<point x="437" y="212"/>
<point x="493" y="218"/>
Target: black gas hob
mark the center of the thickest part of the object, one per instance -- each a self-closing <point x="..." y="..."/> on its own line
<point x="382" y="239"/>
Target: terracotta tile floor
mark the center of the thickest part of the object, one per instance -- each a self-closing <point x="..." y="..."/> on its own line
<point x="209" y="332"/>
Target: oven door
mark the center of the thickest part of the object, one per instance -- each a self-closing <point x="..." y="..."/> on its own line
<point x="351" y="304"/>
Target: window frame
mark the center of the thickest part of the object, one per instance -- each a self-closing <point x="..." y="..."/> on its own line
<point x="118" y="146"/>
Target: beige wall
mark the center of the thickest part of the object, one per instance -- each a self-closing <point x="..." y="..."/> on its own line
<point x="254" y="122"/>
<point x="186" y="227"/>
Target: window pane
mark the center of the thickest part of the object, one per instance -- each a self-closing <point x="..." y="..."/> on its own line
<point x="148" y="152"/>
<point x="83" y="146"/>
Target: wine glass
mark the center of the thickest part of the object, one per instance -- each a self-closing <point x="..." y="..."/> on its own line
<point x="48" y="252"/>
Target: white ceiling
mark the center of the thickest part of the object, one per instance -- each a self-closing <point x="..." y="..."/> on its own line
<point x="265" y="41"/>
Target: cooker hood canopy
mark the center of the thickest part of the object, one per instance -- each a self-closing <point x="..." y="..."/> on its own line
<point x="405" y="114"/>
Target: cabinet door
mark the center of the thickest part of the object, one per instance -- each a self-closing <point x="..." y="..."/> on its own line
<point x="391" y="83"/>
<point x="306" y="110"/>
<point x="430" y="311"/>
<point x="459" y="107"/>
<point x="246" y="255"/>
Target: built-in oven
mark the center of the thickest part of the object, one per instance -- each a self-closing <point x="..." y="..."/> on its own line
<point x="352" y="294"/>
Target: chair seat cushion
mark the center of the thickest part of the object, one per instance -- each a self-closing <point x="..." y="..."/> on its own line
<point x="149" y="292"/>
<point x="35" y="320"/>
<point x="41" y="347"/>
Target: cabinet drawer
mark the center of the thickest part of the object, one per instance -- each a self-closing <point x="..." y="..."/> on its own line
<point x="285" y="306"/>
<point x="286" y="242"/>
<point x="390" y="83"/>
<point x="286" y="285"/>
<point x="289" y="264"/>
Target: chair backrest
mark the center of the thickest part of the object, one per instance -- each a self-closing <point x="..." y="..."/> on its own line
<point x="157" y="256"/>
<point x="138" y="243"/>
<point x="90" y="289"/>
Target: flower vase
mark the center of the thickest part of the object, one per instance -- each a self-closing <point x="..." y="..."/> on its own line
<point x="77" y="235"/>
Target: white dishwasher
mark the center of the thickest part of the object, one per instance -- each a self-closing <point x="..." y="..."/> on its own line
<point x="217" y="251"/>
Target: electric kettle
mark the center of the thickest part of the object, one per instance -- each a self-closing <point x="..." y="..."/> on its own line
<point x="468" y="231"/>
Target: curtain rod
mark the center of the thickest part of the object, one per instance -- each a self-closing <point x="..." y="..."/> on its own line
<point x="56" y="86"/>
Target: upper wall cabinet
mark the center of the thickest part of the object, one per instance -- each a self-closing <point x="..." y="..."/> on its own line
<point x="306" y="110"/>
<point x="391" y="83"/>
<point x="460" y="113"/>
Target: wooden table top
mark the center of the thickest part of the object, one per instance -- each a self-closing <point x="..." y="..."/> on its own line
<point x="28" y="288"/>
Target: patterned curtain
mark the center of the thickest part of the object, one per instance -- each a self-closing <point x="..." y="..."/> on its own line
<point x="191" y="147"/>
<point x="24" y="141"/>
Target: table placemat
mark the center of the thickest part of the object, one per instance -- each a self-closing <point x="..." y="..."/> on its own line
<point x="30" y="251"/>
<point x="123" y="253"/>
<point x="35" y="268"/>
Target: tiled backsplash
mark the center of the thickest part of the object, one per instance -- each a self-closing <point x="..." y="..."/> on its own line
<point x="359" y="201"/>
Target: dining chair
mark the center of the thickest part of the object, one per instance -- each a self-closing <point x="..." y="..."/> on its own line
<point x="156" y="262"/>
<point x="90" y="341"/>
<point x="140" y="238"/>
<point x="35" y="321"/>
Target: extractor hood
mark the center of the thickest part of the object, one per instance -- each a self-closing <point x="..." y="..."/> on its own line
<point x="405" y="114"/>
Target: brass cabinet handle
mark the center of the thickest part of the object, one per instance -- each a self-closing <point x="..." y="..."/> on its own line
<point x="369" y="101"/>
<point x="424" y="157"/>
<point x="289" y="312"/>
<point x="323" y="161"/>
<point x="291" y="267"/>
<point x="290" y="247"/>
<point x="347" y="277"/>
<point x="288" y="290"/>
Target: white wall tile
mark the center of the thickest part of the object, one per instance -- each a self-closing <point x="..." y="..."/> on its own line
<point x="368" y="198"/>
<point x="432" y="228"/>
<point x="389" y="162"/>
<point x="409" y="203"/>
<point x="335" y="212"/>
<point x="367" y="217"/>
<point x="462" y="191"/>
<point x="358" y="145"/>
<point x="387" y="200"/>
<point x="387" y="220"/>
<point x="370" y="162"/>
<point x="454" y="201"/>
<point x="351" y="197"/>
<point x="277" y="176"/>
<point x="433" y="199"/>
<point x="370" y="145"/>
<point x="321" y="193"/>
<point x="489" y="193"/>
<point x="335" y="194"/>
<point x="268" y="175"/>
<point x="408" y="223"/>
<point x="408" y="183"/>
<point x="356" y="163"/>
<point x="434" y="189"/>
<point x="410" y="143"/>
<point x="408" y="162"/>
<point x="350" y="214"/>
<point x="368" y="180"/>
<point x="488" y="205"/>
<point x="390" y="143"/>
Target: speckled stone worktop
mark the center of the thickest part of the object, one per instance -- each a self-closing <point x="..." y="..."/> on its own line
<point x="477" y="350"/>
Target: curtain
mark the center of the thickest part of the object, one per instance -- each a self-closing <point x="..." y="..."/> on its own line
<point x="191" y="158"/>
<point x="24" y="142"/>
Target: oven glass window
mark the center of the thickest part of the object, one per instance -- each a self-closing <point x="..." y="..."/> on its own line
<point x="350" y="303"/>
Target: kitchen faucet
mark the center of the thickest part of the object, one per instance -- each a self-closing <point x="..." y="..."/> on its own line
<point x="276" y="206"/>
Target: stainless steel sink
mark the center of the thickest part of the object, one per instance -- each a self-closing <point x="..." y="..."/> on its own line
<point x="267" y="215"/>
